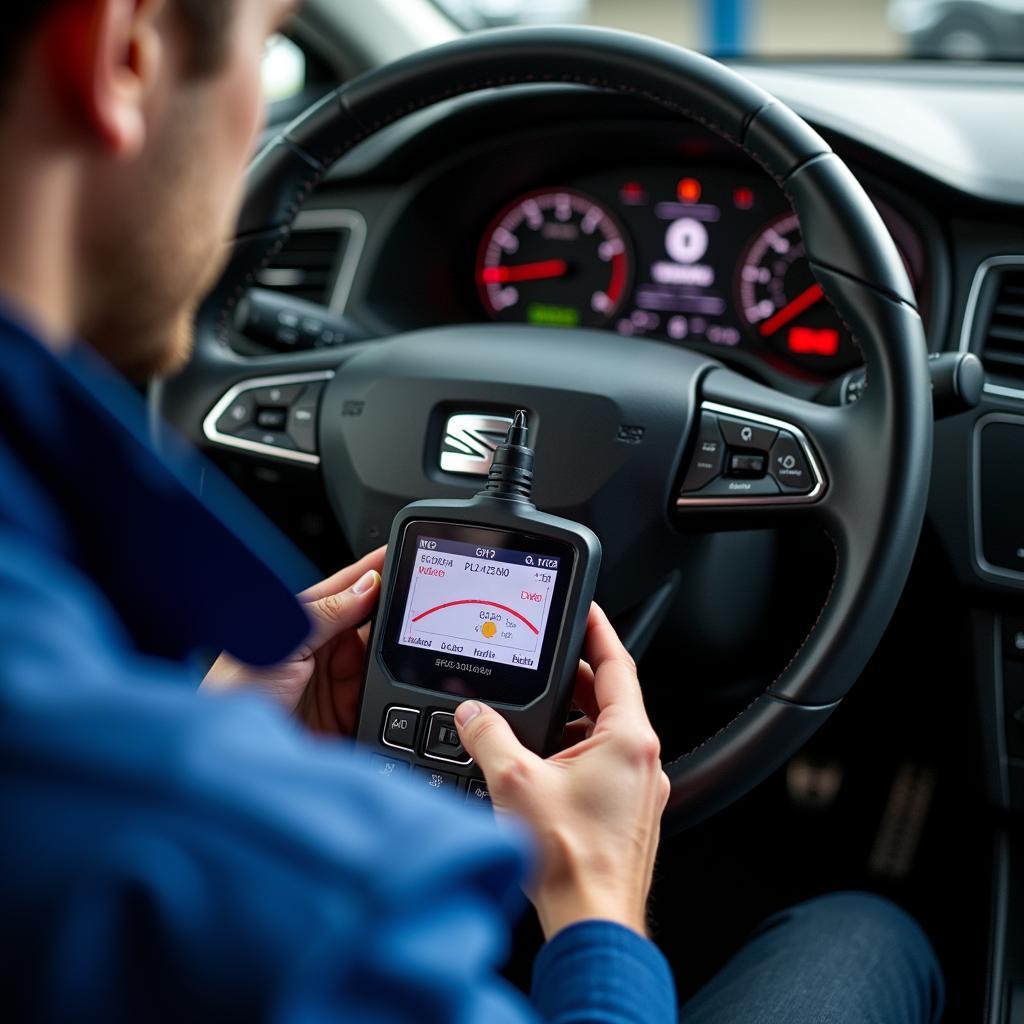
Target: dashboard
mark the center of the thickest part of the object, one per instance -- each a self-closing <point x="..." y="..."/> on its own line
<point x="644" y="228"/>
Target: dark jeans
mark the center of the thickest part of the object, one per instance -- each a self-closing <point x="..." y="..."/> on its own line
<point x="839" y="959"/>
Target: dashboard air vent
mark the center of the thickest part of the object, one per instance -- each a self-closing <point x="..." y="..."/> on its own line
<point x="1002" y="340"/>
<point x="313" y="262"/>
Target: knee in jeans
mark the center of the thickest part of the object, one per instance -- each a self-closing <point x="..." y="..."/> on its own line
<point x="866" y="921"/>
<point x="868" y="913"/>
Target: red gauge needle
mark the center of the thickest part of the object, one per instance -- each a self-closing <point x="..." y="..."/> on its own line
<point x="524" y="272"/>
<point x="791" y="310"/>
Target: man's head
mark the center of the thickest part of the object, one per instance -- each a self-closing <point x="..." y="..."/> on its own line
<point x="126" y="126"/>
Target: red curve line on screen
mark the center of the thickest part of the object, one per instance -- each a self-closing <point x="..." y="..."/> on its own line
<point x="473" y="600"/>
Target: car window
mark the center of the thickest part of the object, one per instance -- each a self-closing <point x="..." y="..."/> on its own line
<point x="950" y="29"/>
<point x="284" y="70"/>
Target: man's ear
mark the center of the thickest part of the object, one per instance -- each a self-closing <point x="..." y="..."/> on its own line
<point x="105" y="57"/>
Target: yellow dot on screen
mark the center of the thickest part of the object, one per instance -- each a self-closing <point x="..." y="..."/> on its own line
<point x="488" y="629"/>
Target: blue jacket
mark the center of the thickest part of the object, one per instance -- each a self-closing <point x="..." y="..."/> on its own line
<point x="171" y="855"/>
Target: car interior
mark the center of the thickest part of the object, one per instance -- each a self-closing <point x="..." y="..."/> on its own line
<point x="713" y="315"/>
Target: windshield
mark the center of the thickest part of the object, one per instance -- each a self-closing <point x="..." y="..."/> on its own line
<point x="949" y="29"/>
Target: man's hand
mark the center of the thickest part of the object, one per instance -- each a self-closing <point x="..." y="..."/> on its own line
<point x="320" y="681"/>
<point x="596" y="806"/>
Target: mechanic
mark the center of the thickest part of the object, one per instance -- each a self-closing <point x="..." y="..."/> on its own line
<point x="186" y="854"/>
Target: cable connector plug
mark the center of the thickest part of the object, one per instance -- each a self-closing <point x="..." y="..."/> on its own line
<point x="511" y="474"/>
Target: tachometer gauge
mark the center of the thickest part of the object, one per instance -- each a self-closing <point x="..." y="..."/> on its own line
<point x="556" y="258"/>
<point x="785" y="307"/>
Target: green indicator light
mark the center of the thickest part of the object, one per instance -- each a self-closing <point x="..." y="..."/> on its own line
<point x="552" y="316"/>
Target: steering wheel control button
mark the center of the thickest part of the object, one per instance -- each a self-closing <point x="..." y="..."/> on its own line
<point x="733" y="487"/>
<point x="433" y="779"/>
<point x="271" y="416"/>
<point x="389" y="766"/>
<point x="746" y="434"/>
<point x="302" y="418"/>
<point x="708" y="455"/>
<point x="279" y="395"/>
<point x="272" y="419"/>
<point x="788" y="465"/>
<point x="478" y="793"/>
<point x="400" y="726"/>
<point x="239" y="414"/>
<point x="271" y="438"/>
<point x="746" y="464"/>
<point x="443" y="743"/>
<point x="767" y="462"/>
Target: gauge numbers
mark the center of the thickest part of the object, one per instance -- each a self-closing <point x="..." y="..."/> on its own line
<point x="554" y="258"/>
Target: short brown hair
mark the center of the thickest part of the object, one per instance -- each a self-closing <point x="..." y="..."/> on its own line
<point x="207" y="22"/>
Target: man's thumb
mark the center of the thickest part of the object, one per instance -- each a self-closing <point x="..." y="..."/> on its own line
<point x="335" y="613"/>
<point x="487" y="737"/>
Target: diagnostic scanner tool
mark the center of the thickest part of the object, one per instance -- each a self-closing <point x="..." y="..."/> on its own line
<point x="485" y="599"/>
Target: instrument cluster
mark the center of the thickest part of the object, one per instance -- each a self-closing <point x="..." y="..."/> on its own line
<point x="705" y="255"/>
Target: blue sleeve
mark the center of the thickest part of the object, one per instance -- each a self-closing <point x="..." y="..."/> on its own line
<point x="598" y="972"/>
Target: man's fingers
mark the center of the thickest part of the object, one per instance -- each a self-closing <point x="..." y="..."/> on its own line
<point x="583" y="692"/>
<point x="489" y="739"/>
<point x="576" y="731"/>
<point x="348" y="656"/>
<point x="602" y="643"/>
<point x="615" y="679"/>
<point x="344" y="578"/>
<point x="336" y="612"/>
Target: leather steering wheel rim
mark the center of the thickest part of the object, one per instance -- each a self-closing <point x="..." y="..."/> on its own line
<point x="873" y="513"/>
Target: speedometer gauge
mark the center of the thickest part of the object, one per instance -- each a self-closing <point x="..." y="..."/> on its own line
<point x="554" y="257"/>
<point x="785" y="307"/>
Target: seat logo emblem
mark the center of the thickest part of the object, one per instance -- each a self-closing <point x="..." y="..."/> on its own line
<point x="470" y="440"/>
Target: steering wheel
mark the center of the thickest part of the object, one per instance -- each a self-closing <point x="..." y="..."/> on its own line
<point x="625" y="429"/>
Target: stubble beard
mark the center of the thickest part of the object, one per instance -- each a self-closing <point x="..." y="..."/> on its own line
<point x="154" y="259"/>
<point x="164" y="346"/>
<point x="148" y="335"/>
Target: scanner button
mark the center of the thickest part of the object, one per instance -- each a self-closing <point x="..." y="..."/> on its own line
<point x="433" y="779"/>
<point x="443" y="743"/>
<point x="389" y="766"/>
<point x="400" y="727"/>
<point x="478" y="793"/>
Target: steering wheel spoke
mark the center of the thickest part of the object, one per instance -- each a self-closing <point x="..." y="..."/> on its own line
<point x="760" y="455"/>
<point x="264" y="407"/>
<point x="274" y="417"/>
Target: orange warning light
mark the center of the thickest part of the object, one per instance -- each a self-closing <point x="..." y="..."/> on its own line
<point x="688" y="190"/>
